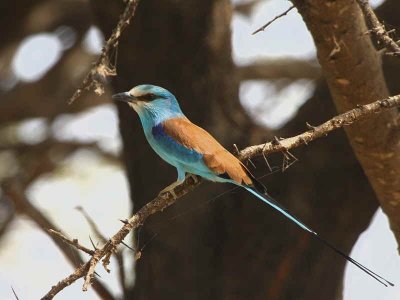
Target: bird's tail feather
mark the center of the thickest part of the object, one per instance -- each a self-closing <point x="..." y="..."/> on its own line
<point x="263" y="196"/>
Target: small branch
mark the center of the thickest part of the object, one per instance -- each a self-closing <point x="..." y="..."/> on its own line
<point x="378" y="29"/>
<point x="272" y="69"/>
<point x="262" y="28"/>
<point x="118" y="254"/>
<point x="66" y="282"/>
<point x="73" y="242"/>
<point x="92" y="224"/>
<point x="13" y="190"/>
<point x="102" y="67"/>
<point x="191" y="182"/>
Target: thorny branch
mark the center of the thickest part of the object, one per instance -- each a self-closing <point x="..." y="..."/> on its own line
<point x="166" y="199"/>
<point x="102" y="67"/>
<point x="14" y="191"/>
<point x="378" y="29"/>
<point x="73" y="242"/>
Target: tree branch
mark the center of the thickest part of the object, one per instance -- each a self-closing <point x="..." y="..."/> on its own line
<point x="378" y="29"/>
<point x="22" y="205"/>
<point x="353" y="71"/>
<point x="164" y="200"/>
<point x="73" y="242"/>
<point x="262" y="28"/>
<point x="102" y="67"/>
<point x="271" y="69"/>
<point x="345" y="119"/>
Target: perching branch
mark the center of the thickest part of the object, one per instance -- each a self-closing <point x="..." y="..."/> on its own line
<point x="164" y="200"/>
<point x="345" y="119"/>
<point x="103" y="67"/>
<point x="378" y="29"/>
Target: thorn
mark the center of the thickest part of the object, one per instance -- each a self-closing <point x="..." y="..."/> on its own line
<point x="152" y="238"/>
<point x="97" y="274"/>
<point x="291" y="155"/>
<point x="251" y="162"/>
<point x="384" y="103"/>
<point x="304" y="141"/>
<point x="94" y="247"/>
<point x="15" y="294"/>
<point x="124" y="221"/>
<point x="265" y="157"/>
<point x="127" y="246"/>
<point x="237" y="152"/>
<point x="310" y="127"/>
<point x="266" y="161"/>
<point x="275" y="141"/>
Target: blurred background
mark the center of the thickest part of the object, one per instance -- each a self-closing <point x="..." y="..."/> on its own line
<point x="63" y="166"/>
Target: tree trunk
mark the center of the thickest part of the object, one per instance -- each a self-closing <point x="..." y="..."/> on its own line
<point x="354" y="74"/>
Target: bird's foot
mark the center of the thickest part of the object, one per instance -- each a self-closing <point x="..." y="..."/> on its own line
<point x="194" y="177"/>
<point x="170" y="189"/>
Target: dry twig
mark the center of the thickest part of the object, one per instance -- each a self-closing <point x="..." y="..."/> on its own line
<point x="378" y="29"/>
<point x="118" y="254"/>
<point x="164" y="200"/>
<point x="73" y="242"/>
<point x="14" y="191"/>
<point x="262" y="28"/>
<point x="102" y="67"/>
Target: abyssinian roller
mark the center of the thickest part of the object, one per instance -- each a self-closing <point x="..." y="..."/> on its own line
<point x="192" y="150"/>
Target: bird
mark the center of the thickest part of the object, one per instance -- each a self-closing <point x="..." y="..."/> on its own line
<point x="192" y="150"/>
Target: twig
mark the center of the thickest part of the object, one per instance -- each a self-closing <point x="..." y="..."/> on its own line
<point x="378" y="29"/>
<point x="15" y="294"/>
<point x="92" y="224"/>
<point x="13" y="190"/>
<point x="118" y="254"/>
<point x="73" y="242"/>
<point x="262" y="28"/>
<point x="164" y="200"/>
<point x="101" y="68"/>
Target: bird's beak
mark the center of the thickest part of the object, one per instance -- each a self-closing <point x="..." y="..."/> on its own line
<point x="124" y="97"/>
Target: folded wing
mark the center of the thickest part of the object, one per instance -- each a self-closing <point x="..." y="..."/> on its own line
<point x="215" y="156"/>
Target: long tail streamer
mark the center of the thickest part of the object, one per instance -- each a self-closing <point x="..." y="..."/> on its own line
<point x="276" y="205"/>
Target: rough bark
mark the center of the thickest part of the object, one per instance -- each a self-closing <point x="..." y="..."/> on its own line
<point x="352" y="68"/>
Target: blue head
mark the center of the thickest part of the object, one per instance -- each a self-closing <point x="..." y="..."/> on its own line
<point x="152" y="103"/>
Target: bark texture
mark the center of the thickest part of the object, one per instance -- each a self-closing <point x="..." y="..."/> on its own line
<point x="352" y="68"/>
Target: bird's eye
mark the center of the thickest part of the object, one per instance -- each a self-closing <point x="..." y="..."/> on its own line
<point x="148" y="97"/>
